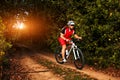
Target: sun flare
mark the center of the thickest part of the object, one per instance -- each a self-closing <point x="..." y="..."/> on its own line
<point x="19" y="25"/>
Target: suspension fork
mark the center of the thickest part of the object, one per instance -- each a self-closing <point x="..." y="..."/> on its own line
<point x="74" y="54"/>
<point x="78" y="53"/>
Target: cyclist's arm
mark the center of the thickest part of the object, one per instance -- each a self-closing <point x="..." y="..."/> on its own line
<point x="76" y="36"/>
<point x="62" y="36"/>
<point x="62" y="33"/>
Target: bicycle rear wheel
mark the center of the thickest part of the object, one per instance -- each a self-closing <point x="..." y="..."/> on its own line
<point x="79" y="62"/>
<point x="58" y="55"/>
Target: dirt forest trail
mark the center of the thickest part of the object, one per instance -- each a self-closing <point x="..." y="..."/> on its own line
<point x="35" y="71"/>
<point x="92" y="73"/>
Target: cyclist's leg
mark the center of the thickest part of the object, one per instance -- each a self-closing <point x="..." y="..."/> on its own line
<point x="63" y="51"/>
<point x="63" y="44"/>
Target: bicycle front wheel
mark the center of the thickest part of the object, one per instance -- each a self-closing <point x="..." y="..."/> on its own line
<point x="58" y="55"/>
<point x="79" y="61"/>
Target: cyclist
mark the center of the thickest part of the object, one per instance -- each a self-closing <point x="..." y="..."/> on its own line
<point x="65" y="37"/>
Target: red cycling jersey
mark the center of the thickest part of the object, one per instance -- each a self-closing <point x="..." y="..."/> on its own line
<point x="67" y="34"/>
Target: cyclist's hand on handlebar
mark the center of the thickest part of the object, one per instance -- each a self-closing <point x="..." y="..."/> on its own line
<point x="80" y="38"/>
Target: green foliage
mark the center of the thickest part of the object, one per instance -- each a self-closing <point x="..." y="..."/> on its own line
<point x="4" y="45"/>
<point x="101" y="36"/>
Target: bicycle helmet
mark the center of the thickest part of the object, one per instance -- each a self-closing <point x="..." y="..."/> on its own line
<point x="70" y="23"/>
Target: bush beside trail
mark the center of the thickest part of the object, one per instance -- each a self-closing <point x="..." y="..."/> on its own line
<point x="4" y="46"/>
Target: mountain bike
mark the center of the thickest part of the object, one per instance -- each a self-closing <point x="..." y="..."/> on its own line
<point x="77" y="54"/>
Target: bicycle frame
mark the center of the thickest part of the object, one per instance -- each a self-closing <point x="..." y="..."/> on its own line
<point x="73" y="47"/>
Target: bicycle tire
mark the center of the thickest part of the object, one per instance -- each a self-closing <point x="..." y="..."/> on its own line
<point x="79" y="63"/>
<point x="58" y="55"/>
